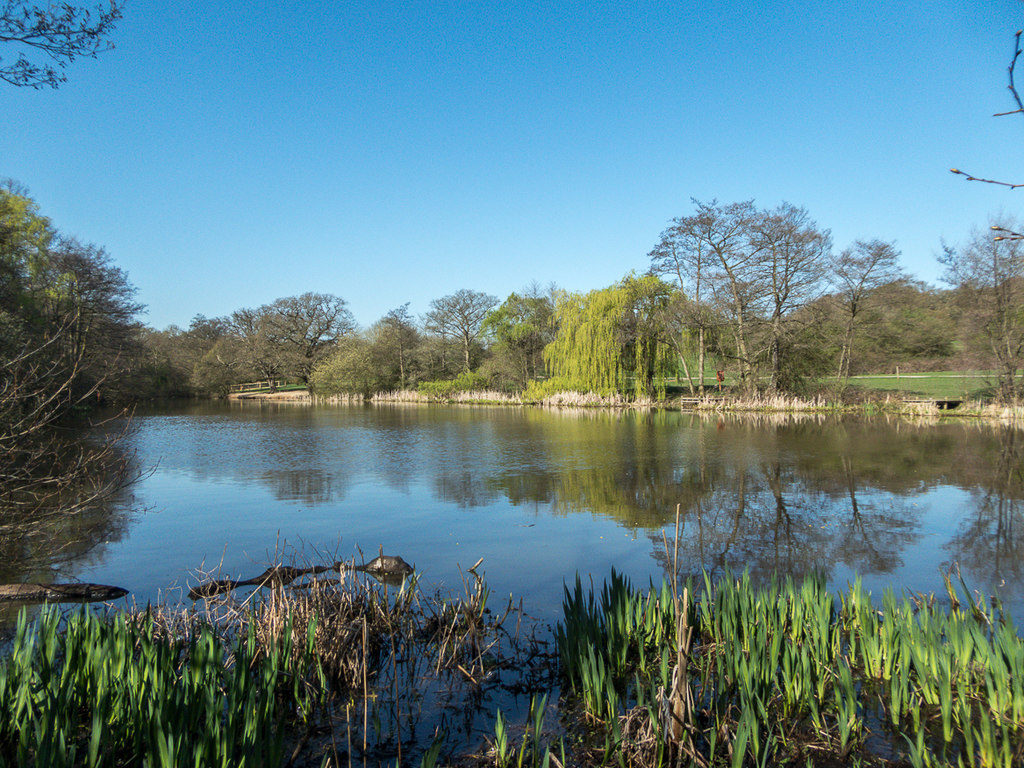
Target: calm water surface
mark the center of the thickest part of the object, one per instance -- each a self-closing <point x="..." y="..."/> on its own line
<point x="541" y="495"/>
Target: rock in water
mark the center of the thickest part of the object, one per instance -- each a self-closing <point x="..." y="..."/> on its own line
<point x="389" y="564"/>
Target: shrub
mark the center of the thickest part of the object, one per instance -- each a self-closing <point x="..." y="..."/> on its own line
<point x="445" y="389"/>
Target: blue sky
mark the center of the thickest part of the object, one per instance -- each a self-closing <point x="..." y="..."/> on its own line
<point x="228" y="154"/>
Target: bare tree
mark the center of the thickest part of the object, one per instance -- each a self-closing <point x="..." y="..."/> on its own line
<point x="46" y="471"/>
<point x="306" y="328"/>
<point x="58" y="33"/>
<point x="396" y="337"/>
<point x="82" y="290"/>
<point x="989" y="273"/>
<point x="460" y="315"/>
<point x="792" y="254"/>
<point x="682" y="255"/>
<point x="251" y="347"/>
<point x="732" y="259"/>
<point x="856" y="273"/>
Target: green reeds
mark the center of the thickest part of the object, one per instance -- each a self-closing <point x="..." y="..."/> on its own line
<point x="783" y="672"/>
<point x="113" y="692"/>
<point x="339" y="669"/>
<point x="604" y="642"/>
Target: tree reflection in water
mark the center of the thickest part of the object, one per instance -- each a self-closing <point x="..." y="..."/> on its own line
<point x="988" y="544"/>
<point x="793" y="494"/>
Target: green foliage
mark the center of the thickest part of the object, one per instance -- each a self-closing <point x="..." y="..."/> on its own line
<point x="612" y="339"/>
<point x="787" y="669"/>
<point x="351" y="370"/>
<point x="521" y="327"/>
<point x="115" y="692"/>
<point x="25" y="238"/>
<point x="467" y="381"/>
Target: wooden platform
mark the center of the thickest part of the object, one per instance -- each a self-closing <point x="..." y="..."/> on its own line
<point x="942" y="405"/>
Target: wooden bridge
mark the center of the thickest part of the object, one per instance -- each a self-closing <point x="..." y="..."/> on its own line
<point x="254" y="385"/>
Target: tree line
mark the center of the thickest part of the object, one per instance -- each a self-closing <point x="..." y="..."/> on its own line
<point x="760" y="294"/>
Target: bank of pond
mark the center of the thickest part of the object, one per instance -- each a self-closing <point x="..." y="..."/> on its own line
<point x="850" y="402"/>
<point x="343" y="670"/>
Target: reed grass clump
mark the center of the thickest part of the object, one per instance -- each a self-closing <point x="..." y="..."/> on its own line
<point x="791" y="674"/>
<point x="340" y="668"/>
<point x="763" y="403"/>
<point x="95" y="691"/>
<point x="337" y="668"/>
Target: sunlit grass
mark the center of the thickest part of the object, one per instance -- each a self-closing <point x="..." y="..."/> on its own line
<point x="969" y="385"/>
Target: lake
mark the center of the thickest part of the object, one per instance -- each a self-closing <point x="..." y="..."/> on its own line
<point x="542" y="495"/>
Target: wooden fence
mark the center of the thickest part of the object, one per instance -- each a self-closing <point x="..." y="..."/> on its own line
<point x="254" y="385"/>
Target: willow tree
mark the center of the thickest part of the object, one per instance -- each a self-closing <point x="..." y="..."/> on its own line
<point x="612" y="339"/>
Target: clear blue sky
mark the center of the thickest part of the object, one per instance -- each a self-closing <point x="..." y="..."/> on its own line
<point x="227" y="154"/>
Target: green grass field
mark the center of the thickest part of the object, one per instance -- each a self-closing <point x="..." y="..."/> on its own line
<point x="941" y="386"/>
<point x="944" y="385"/>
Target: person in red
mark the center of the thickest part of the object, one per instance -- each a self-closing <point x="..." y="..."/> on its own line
<point x="721" y="377"/>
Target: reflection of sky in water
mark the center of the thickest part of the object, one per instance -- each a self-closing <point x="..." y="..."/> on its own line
<point x="541" y="496"/>
<point x="923" y="561"/>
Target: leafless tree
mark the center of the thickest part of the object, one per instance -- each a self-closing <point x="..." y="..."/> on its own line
<point x="989" y="275"/>
<point x="792" y="257"/>
<point x="46" y="471"/>
<point x="251" y="346"/>
<point x="747" y="270"/>
<point x="460" y="315"/>
<point x="306" y="328"/>
<point x="682" y="255"/>
<point x="731" y="257"/>
<point x="856" y="272"/>
<point x="56" y="32"/>
<point x="396" y="337"/>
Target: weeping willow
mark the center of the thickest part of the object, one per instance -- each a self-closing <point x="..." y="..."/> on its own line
<point x="612" y="339"/>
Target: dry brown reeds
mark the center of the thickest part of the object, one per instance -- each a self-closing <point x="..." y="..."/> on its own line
<point x="590" y="400"/>
<point x="759" y="402"/>
<point x="386" y="657"/>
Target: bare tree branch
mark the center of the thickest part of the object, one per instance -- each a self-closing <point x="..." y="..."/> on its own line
<point x="1011" y="86"/>
<point x="1019" y="110"/>
<point x="969" y="177"/>
<point x="59" y="31"/>
<point x="1010" y="234"/>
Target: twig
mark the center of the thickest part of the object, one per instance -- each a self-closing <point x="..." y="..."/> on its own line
<point x="969" y="177"/>
<point x="467" y="674"/>
<point x="1010" y="234"/>
<point x="1012" y="87"/>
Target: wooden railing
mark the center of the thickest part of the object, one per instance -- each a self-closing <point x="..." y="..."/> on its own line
<point x="254" y="385"/>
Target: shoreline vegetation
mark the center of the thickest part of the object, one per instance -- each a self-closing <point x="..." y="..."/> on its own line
<point x="343" y="670"/>
<point x="879" y="403"/>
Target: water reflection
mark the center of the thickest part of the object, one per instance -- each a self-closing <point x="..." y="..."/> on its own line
<point x="990" y="541"/>
<point x="44" y="547"/>
<point x="791" y="494"/>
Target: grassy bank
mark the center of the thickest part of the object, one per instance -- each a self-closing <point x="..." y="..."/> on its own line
<point x="970" y="385"/>
<point x="348" y="671"/>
